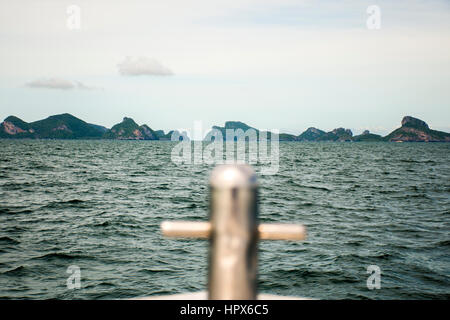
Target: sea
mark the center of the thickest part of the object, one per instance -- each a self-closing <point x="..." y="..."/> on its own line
<point x="96" y="207"/>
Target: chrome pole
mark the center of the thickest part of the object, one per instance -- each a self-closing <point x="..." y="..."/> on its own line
<point x="234" y="237"/>
<point x="234" y="232"/>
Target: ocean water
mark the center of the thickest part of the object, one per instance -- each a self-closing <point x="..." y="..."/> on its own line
<point x="98" y="205"/>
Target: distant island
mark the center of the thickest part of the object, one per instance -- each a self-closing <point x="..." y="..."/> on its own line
<point x="67" y="126"/>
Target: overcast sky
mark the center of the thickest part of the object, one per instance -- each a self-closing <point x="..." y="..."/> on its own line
<point x="274" y="64"/>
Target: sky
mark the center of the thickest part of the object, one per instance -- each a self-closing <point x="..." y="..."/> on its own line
<point x="273" y="64"/>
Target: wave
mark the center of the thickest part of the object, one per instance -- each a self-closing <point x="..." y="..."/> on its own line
<point x="445" y="243"/>
<point x="159" y="271"/>
<point x="8" y="240"/>
<point x="314" y="187"/>
<point x="10" y="211"/>
<point x="59" y="256"/>
<point x="67" y="203"/>
<point x="103" y="224"/>
<point x="18" y="271"/>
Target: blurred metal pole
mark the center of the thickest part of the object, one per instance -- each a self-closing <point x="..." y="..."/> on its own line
<point x="234" y="232"/>
<point x="234" y="238"/>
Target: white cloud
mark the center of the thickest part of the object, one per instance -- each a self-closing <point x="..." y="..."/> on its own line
<point x="57" y="83"/>
<point x="51" y="83"/>
<point x="142" y="66"/>
<point x="82" y="86"/>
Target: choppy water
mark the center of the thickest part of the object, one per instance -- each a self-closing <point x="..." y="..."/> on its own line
<point x="98" y="205"/>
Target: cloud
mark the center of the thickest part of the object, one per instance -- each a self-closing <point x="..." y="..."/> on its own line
<point x="82" y="86"/>
<point x="142" y="66"/>
<point x="58" y="83"/>
<point x="51" y="83"/>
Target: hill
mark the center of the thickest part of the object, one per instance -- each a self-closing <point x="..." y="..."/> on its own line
<point x="311" y="134"/>
<point x="338" y="134"/>
<point x="416" y="130"/>
<point x="366" y="136"/>
<point x="62" y="126"/>
<point x="130" y="130"/>
<point x="239" y="131"/>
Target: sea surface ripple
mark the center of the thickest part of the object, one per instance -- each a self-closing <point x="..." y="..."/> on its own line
<point x="98" y="205"/>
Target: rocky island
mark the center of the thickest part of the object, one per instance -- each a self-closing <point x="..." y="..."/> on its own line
<point x="63" y="126"/>
<point x="130" y="130"/>
<point x="416" y="130"/>
<point x="67" y="126"/>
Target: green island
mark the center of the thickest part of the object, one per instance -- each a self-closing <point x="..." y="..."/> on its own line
<point x="67" y="126"/>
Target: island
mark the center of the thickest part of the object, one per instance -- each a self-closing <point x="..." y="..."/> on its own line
<point x="67" y="126"/>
